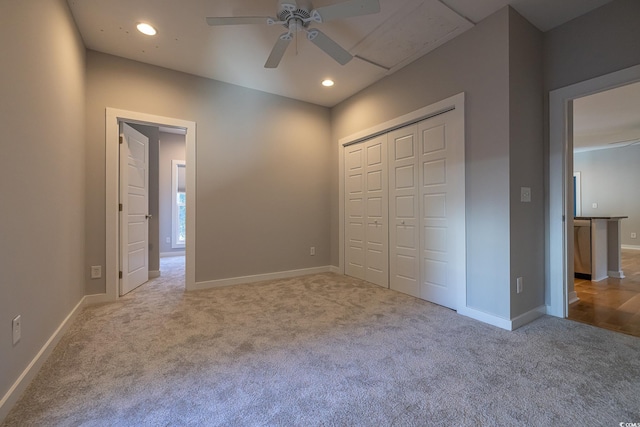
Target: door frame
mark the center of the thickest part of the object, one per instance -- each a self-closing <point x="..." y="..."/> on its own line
<point x="454" y="103"/>
<point x="559" y="221"/>
<point x="113" y="117"/>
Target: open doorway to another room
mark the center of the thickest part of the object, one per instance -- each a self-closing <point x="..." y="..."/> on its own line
<point x="167" y="199"/>
<point x="606" y="155"/>
<point x="173" y="132"/>
<point x="166" y="211"/>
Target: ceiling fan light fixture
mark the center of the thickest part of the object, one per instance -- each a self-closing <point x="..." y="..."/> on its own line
<point x="147" y="29"/>
<point x="328" y="83"/>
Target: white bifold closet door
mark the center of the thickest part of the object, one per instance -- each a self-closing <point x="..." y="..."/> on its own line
<point x="366" y="211"/>
<point x="405" y="210"/>
<point x="427" y="217"/>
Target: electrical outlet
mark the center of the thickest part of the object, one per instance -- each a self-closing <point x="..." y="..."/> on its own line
<point x="15" y="324"/>
<point x="312" y="250"/>
<point x="634" y="235"/>
<point x="96" y="271"/>
<point x="525" y="194"/>
<point x="519" y="285"/>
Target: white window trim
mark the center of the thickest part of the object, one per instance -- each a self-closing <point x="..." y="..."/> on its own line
<point x="175" y="243"/>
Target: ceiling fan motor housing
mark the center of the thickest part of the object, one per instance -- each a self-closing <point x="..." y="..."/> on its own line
<point x="295" y="16"/>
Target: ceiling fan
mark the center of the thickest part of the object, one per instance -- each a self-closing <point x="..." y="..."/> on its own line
<point x="297" y="16"/>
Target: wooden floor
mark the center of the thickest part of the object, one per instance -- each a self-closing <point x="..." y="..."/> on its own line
<point x="611" y="303"/>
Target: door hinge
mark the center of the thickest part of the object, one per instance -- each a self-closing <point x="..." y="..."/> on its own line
<point x="120" y="139"/>
<point x="120" y="207"/>
<point x="119" y="274"/>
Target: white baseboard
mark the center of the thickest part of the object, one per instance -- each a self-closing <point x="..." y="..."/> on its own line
<point x="97" y="299"/>
<point x="485" y="317"/>
<point x="154" y="273"/>
<point x="528" y="317"/>
<point x="573" y="297"/>
<point x="334" y="269"/>
<point x="29" y="373"/>
<point x="259" y="278"/>
<point x="170" y="254"/>
<point x="616" y="274"/>
<point x="631" y="247"/>
<point x="503" y="323"/>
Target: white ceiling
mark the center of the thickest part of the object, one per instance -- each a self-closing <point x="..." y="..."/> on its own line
<point x="608" y="119"/>
<point x="236" y="54"/>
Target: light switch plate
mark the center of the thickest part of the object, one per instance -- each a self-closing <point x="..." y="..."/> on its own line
<point x="525" y="194"/>
<point x="96" y="271"/>
<point x="16" y="326"/>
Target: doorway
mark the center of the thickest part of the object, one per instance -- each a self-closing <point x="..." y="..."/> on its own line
<point x="559" y="228"/>
<point x="113" y="118"/>
<point x="606" y="152"/>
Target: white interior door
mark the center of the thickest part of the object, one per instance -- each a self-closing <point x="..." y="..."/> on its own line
<point x="404" y="250"/>
<point x="442" y="221"/>
<point x="134" y="201"/>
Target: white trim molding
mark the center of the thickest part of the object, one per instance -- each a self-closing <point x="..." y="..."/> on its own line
<point x="559" y="224"/>
<point x="113" y="117"/>
<point x="573" y="297"/>
<point x="631" y="247"/>
<point x="500" y="322"/>
<point x="29" y="373"/>
<point x="172" y="254"/>
<point x="262" y="277"/>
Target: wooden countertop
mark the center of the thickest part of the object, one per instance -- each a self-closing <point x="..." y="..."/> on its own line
<point x="600" y="217"/>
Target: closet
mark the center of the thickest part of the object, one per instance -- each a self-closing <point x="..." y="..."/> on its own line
<point x="404" y="210"/>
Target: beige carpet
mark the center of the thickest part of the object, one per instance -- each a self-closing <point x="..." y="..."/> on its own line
<point x="323" y="350"/>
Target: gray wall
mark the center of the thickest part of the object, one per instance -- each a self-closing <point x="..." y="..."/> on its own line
<point x="263" y="165"/>
<point x="526" y="159"/>
<point x="42" y="265"/>
<point x="611" y="178"/>
<point x="477" y="63"/>
<point x="597" y="43"/>
<point x="172" y="147"/>
<point x="153" y="133"/>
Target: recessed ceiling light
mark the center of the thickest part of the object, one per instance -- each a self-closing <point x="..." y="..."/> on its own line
<point x="327" y="83"/>
<point x="147" y="29"/>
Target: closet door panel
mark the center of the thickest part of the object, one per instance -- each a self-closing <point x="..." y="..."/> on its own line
<point x="355" y="212"/>
<point x="366" y="211"/>
<point x="404" y="265"/>
<point x="439" y="186"/>
<point x="376" y="193"/>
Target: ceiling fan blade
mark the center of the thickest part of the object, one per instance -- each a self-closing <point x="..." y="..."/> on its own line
<point x="330" y="47"/>
<point x="237" y="20"/>
<point x="278" y="51"/>
<point x="347" y="9"/>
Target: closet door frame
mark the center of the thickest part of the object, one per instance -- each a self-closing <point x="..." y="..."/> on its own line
<point x="453" y="105"/>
